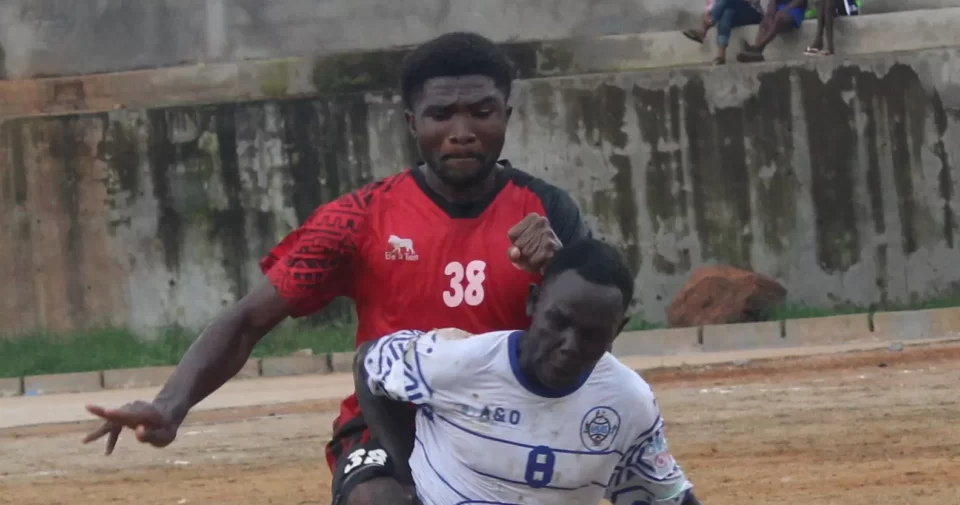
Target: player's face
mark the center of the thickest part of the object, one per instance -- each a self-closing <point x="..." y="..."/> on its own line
<point x="574" y="323"/>
<point x="460" y="124"/>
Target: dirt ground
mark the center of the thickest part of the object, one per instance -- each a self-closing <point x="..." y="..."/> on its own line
<point x="854" y="429"/>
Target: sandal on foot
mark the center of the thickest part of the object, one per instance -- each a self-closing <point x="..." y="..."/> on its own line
<point x="719" y="61"/>
<point x="693" y="35"/>
<point x="812" y="51"/>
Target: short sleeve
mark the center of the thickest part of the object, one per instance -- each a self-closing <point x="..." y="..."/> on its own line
<point x="313" y="264"/>
<point x="561" y="211"/>
<point x="647" y="472"/>
<point x="409" y="366"/>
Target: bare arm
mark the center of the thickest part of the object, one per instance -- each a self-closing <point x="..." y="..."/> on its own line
<point x="391" y="422"/>
<point x="221" y="350"/>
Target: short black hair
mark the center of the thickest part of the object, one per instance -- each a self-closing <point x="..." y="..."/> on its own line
<point x="595" y="261"/>
<point x="454" y="54"/>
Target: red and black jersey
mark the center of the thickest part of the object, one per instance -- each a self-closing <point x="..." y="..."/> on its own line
<point x="411" y="260"/>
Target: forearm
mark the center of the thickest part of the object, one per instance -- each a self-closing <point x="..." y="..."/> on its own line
<point x="390" y="422"/>
<point x="215" y="357"/>
<point x="221" y="351"/>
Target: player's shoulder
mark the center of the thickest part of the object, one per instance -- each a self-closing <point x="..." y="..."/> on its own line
<point x="358" y="203"/>
<point x="557" y="204"/>
<point x="467" y="347"/>
<point x="543" y="190"/>
<point x="628" y="386"/>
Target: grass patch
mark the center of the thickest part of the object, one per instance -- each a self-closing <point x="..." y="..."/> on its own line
<point x="108" y="348"/>
<point x="637" y="323"/>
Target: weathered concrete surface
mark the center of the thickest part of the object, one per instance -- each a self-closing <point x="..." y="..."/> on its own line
<point x="830" y="330"/>
<point x="11" y="386"/>
<point x="742" y="336"/>
<point x="658" y="342"/>
<point x="914" y="324"/>
<point x="273" y="79"/>
<point x="128" y="378"/>
<point x="49" y="37"/>
<point x="82" y="382"/>
<point x="835" y="178"/>
<point x="329" y="389"/>
<point x="294" y="365"/>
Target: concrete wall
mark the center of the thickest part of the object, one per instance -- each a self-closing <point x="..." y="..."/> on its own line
<point x="55" y="37"/>
<point x="840" y="181"/>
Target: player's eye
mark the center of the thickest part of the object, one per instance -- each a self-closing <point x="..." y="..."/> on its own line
<point x="483" y="112"/>
<point x="559" y="320"/>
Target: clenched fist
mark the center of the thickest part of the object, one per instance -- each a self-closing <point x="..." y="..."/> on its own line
<point x="534" y="243"/>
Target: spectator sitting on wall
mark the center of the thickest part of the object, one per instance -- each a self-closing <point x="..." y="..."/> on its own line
<point x="781" y="16"/>
<point x="825" y="13"/>
<point x="725" y="15"/>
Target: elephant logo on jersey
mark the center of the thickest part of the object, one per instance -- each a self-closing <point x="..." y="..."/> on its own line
<point x="599" y="428"/>
<point x="401" y="249"/>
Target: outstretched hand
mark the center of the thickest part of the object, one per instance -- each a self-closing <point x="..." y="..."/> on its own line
<point x="534" y="243"/>
<point x="149" y="423"/>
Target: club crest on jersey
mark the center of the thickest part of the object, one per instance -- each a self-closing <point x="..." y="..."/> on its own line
<point x="401" y="249"/>
<point x="598" y="429"/>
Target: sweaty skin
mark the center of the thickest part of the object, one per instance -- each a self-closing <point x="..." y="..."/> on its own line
<point x="460" y="127"/>
<point x="574" y="322"/>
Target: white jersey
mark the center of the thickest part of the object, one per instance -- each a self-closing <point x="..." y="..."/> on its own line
<point x="487" y="434"/>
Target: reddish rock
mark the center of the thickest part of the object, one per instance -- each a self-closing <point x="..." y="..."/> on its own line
<point x="723" y="294"/>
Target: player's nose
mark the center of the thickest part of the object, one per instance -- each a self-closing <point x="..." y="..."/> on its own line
<point x="569" y="351"/>
<point x="460" y="131"/>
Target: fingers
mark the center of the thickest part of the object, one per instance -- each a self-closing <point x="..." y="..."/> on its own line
<point x="131" y="415"/>
<point x="535" y="245"/>
<point x="146" y="421"/>
<point x="112" y="439"/>
<point x="99" y="432"/>
<point x="521" y="227"/>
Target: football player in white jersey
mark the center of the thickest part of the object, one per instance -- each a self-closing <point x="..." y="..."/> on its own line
<point x="540" y="416"/>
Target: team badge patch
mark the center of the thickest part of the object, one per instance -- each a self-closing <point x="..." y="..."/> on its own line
<point x="599" y="428"/>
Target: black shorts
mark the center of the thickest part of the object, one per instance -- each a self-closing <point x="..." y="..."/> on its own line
<point x="358" y="458"/>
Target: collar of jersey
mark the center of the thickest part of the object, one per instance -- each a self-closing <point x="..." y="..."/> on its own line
<point x="468" y="210"/>
<point x="534" y="386"/>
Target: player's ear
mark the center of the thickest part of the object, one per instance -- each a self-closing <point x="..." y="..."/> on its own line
<point x="532" y="298"/>
<point x="411" y="123"/>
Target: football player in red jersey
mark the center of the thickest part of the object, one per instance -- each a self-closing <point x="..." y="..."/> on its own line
<point x="456" y="241"/>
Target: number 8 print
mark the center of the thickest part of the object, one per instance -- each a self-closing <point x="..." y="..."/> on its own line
<point x="540" y="465"/>
<point x="472" y="293"/>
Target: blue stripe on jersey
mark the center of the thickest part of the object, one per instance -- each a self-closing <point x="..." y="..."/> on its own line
<point x="398" y="338"/>
<point x="533" y="386"/>
<point x="521" y="483"/>
<point x="466" y="501"/>
<point x="437" y="473"/>
<point x="527" y="446"/>
<point x="423" y="380"/>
